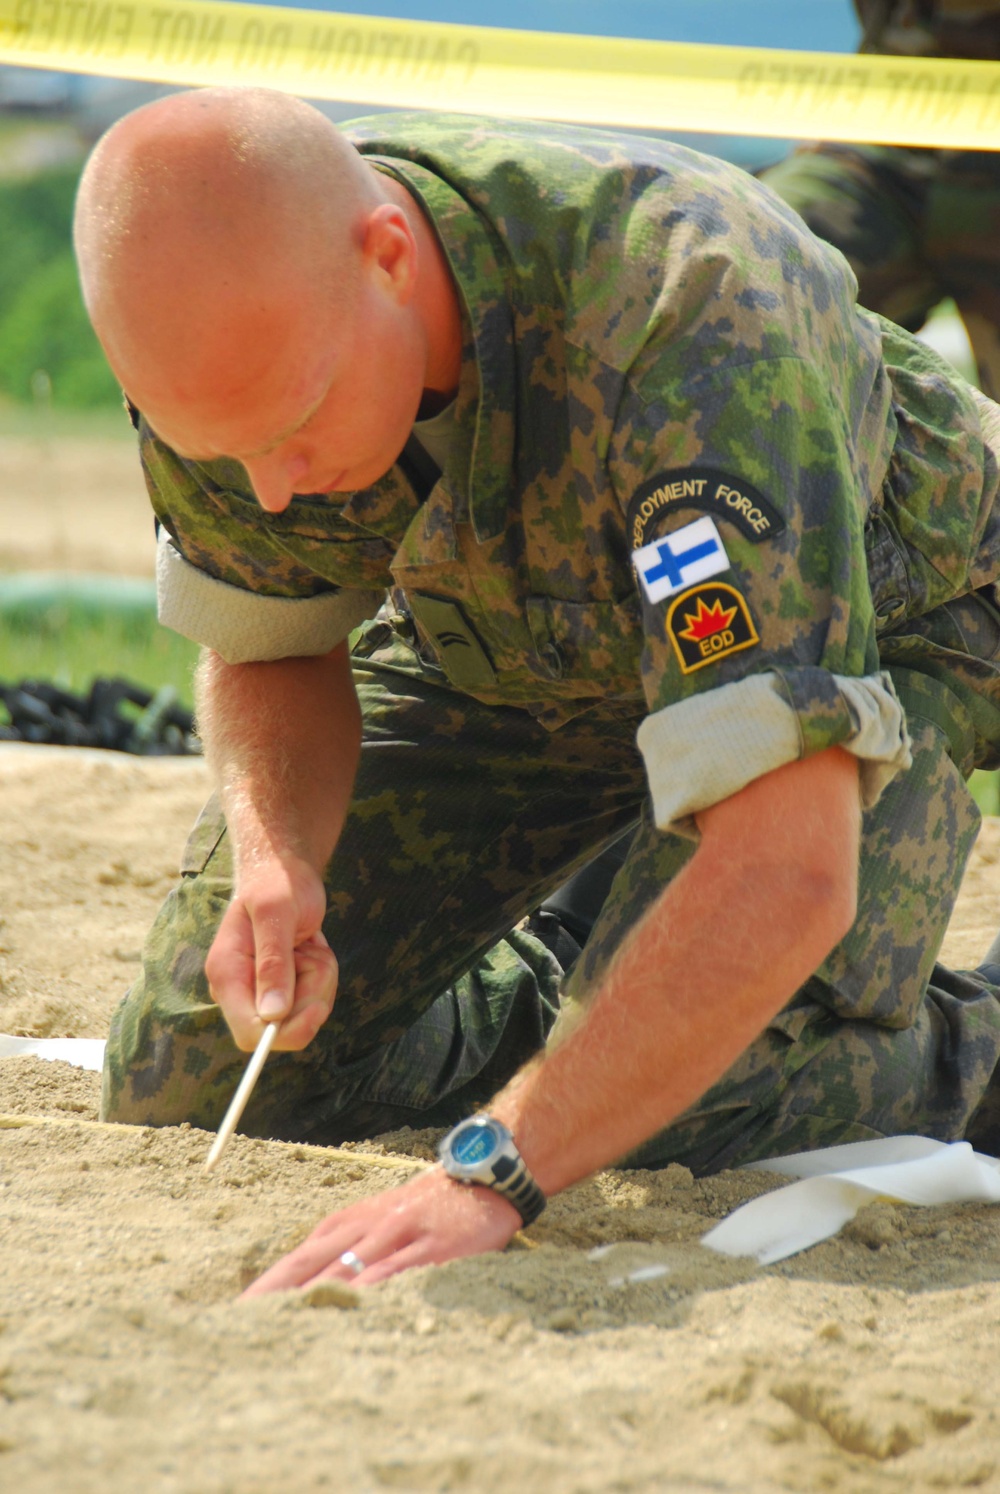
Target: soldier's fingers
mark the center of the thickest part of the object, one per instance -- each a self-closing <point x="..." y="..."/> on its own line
<point x="320" y="1253"/>
<point x="315" y="988"/>
<point x="418" y="1253"/>
<point x="230" y="971"/>
<point x="274" y="931"/>
<point x="306" y="1261"/>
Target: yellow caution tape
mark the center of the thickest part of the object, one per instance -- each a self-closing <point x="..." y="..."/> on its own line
<point x="533" y="74"/>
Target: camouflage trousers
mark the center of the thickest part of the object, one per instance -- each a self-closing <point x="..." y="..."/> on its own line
<point x="464" y="818"/>
<point x="917" y="226"/>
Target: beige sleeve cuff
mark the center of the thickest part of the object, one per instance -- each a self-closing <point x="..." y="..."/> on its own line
<point x="245" y="627"/>
<point x="710" y="746"/>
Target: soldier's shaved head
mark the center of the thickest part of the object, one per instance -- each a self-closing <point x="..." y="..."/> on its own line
<point x="262" y="291"/>
<point x="204" y="220"/>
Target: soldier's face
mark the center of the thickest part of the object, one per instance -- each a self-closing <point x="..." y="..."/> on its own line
<point x="311" y="399"/>
<point x="347" y="426"/>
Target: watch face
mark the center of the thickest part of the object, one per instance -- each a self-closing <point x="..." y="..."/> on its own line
<point x="475" y="1143"/>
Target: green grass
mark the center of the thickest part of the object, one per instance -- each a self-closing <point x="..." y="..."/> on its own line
<point x="70" y="645"/>
<point x="985" y="789"/>
<point x="47" y="347"/>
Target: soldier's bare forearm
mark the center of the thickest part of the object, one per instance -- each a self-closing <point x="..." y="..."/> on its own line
<point x="282" y="739"/>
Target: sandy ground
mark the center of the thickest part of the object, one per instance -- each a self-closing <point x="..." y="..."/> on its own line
<point x="866" y="1363"/>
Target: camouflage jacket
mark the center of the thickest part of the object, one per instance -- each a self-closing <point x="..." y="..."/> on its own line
<point x="653" y="344"/>
<point x="931" y="28"/>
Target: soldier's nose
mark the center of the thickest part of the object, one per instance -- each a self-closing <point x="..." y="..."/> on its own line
<point x="274" y="479"/>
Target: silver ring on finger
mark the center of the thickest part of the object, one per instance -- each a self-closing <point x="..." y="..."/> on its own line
<point x="352" y="1262"/>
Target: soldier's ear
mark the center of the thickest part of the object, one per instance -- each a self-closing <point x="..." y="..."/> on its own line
<point x="389" y="249"/>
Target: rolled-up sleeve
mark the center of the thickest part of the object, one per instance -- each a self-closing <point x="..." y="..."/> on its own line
<point x="710" y="746"/>
<point x="244" y="626"/>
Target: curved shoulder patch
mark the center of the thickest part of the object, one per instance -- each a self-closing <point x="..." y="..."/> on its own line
<point x="706" y="488"/>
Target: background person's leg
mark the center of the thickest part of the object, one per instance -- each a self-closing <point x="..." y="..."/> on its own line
<point x="463" y="818"/>
<point x="918" y="226"/>
<point x="980" y="311"/>
<point x="962" y="246"/>
<point x="869" y="202"/>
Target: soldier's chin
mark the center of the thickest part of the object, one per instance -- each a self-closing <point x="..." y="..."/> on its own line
<point x="338" y="483"/>
<point x="357" y="478"/>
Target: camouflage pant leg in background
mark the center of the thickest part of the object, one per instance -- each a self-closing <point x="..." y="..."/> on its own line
<point x="463" y="818"/>
<point x="916" y="225"/>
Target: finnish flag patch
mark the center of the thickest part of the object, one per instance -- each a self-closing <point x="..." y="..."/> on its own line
<point x="680" y="559"/>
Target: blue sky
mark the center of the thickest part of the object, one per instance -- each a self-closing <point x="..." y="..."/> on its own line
<point x="820" y="25"/>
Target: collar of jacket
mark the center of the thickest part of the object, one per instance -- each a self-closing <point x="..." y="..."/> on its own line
<point x="480" y="471"/>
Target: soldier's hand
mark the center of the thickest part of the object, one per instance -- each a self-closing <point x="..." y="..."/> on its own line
<point x="429" y="1220"/>
<point x="270" y="960"/>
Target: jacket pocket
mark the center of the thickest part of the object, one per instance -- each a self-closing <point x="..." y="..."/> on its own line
<point x="595" y="644"/>
<point x="888" y="577"/>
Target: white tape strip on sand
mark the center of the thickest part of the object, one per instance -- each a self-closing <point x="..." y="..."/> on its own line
<point x="836" y="1181"/>
<point x="85" y="1053"/>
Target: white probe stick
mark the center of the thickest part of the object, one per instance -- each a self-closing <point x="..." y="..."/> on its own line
<point x="238" y="1103"/>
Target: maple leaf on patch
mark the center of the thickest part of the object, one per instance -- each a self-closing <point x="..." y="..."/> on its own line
<point x="706" y="620"/>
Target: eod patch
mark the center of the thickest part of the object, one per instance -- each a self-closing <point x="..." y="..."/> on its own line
<point x="709" y="622"/>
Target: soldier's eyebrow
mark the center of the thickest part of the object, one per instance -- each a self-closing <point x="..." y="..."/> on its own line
<point x="288" y="432"/>
<point x="192" y="455"/>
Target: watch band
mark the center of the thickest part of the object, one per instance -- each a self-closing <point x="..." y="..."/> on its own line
<point x="501" y="1168"/>
<point x="515" y="1183"/>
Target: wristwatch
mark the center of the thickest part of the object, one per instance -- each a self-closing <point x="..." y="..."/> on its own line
<point x="482" y="1151"/>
